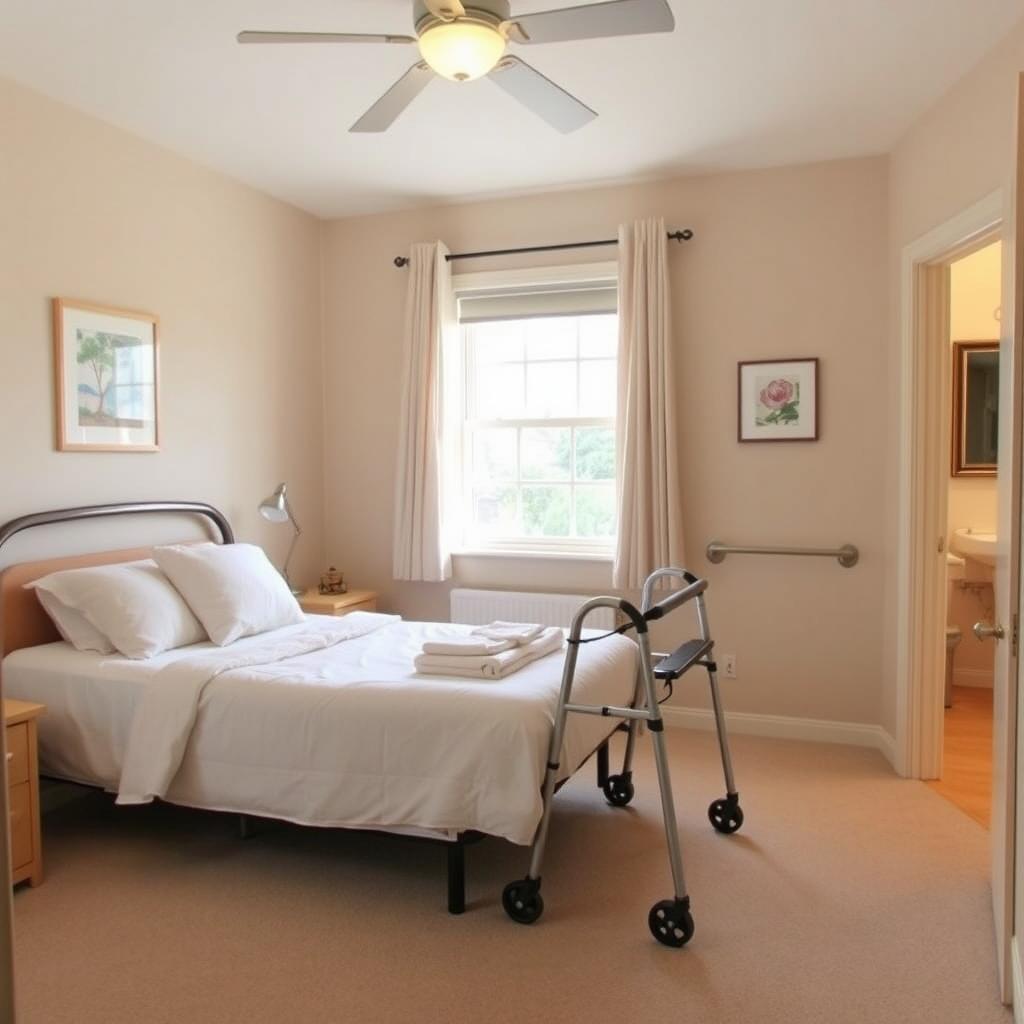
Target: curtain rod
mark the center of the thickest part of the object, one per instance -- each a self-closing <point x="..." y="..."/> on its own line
<point x="677" y="236"/>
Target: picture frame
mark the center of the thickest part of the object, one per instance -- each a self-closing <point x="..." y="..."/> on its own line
<point x="778" y="400"/>
<point x="107" y="378"/>
<point x="975" y="408"/>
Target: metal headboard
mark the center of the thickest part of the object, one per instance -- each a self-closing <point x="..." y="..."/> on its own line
<point x="66" y="515"/>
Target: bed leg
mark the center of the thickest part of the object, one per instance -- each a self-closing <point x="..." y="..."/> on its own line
<point x="456" y="877"/>
<point x="602" y="765"/>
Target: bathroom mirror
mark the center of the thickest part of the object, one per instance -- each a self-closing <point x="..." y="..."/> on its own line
<point x="975" y="408"/>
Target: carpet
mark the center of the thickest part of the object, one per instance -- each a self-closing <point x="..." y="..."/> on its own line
<point x="850" y="895"/>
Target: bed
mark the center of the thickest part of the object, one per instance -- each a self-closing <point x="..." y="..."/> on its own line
<point x="321" y="723"/>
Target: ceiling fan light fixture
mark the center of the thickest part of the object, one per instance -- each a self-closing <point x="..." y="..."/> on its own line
<point x="462" y="50"/>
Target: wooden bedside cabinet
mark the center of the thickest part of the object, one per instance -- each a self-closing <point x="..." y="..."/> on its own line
<point x="23" y="790"/>
<point x="315" y="603"/>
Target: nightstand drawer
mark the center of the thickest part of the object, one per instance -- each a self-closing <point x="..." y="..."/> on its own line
<point x="17" y="753"/>
<point x="363" y="606"/>
<point x="20" y="813"/>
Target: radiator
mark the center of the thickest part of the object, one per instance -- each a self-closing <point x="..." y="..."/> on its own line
<point x="477" y="607"/>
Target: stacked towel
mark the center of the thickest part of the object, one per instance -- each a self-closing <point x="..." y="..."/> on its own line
<point x="467" y="645"/>
<point x="517" y="632"/>
<point x="472" y="659"/>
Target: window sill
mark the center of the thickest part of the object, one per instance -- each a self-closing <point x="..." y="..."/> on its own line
<point x="561" y="556"/>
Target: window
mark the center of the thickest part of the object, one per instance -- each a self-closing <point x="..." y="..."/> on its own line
<point x="538" y="425"/>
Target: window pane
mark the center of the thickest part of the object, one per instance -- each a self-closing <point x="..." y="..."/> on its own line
<point x="546" y="453"/>
<point x="553" y="338"/>
<point x="494" y="511"/>
<point x="494" y="454"/>
<point x="547" y="469"/>
<point x="599" y="336"/>
<point x="499" y="392"/>
<point x="597" y="388"/>
<point x="551" y="389"/>
<point x="497" y="342"/>
<point x="595" y="453"/>
<point x="595" y="511"/>
<point x="546" y="511"/>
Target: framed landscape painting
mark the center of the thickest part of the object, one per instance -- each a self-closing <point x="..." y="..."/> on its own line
<point x="778" y="400"/>
<point x="107" y="378"/>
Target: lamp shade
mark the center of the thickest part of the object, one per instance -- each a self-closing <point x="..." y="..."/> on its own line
<point x="462" y="50"/>
<point x="275" y="507"/>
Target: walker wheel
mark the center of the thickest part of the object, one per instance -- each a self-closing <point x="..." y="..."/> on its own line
<point x="619" y="789"/>
<point x="522" y="900"/>
<point x="726" y="815"/>
<point x="671" y="923"/>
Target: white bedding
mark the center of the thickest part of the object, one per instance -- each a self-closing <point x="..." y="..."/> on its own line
<point x="346" y="734"/>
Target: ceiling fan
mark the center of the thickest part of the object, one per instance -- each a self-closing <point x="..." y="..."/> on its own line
<point x="464" y="41"/>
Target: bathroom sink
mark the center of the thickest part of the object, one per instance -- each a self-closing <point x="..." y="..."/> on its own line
<point x="975" y="544"/>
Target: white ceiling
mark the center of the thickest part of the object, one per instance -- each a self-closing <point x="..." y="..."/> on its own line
<point x="740" y="83"/>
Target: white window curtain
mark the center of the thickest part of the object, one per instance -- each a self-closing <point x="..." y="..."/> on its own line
<point x="650" y="532"/>
<point x="420" y="550"/>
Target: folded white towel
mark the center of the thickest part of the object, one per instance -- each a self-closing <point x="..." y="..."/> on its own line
<point x="467" y="645"/>
<point x="491" y="666"/>
<point x="517" y="632"/>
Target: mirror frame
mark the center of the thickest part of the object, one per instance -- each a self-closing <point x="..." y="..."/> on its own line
<point x="960" y="466"/>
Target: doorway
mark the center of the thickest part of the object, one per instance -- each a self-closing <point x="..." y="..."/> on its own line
<point x="974" y="290"/>
<point x="924" y="471"/>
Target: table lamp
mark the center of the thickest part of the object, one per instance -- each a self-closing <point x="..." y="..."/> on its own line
<point x="277" y="509"/>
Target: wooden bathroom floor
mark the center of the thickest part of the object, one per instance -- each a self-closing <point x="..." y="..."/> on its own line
<point x="967" y="753"/>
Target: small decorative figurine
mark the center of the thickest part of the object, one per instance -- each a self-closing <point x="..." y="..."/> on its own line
<point x="332" y="582"/>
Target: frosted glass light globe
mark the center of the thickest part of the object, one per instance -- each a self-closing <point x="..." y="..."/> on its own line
<point x="462" y="50"/>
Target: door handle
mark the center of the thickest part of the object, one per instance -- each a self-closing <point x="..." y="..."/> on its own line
<point x="985" y="629"/>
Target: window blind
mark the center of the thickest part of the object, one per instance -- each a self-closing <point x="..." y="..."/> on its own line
<point x="578" y="299"/>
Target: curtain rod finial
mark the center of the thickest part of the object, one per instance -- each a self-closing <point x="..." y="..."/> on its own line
<point x="681" y="236"/>
<point x="401" y="261"/>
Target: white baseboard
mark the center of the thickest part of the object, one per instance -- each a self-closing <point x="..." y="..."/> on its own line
<point x="980" y="677"/>
<point x="1018" y="982"/>
<point x="815" y="730"/>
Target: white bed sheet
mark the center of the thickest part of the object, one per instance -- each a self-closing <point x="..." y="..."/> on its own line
<point x="346" y="736"/>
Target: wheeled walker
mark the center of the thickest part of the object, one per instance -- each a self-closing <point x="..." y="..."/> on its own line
<point x="670" y="920"/>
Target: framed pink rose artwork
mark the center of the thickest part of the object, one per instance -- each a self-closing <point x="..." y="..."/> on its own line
<point x="778" y="400"/>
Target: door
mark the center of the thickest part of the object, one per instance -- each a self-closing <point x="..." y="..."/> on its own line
<point x="1007" y="777"/>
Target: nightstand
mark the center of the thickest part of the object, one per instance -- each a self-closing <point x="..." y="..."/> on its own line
<point x="23" y="790"/>
<point x="315" y="603"/>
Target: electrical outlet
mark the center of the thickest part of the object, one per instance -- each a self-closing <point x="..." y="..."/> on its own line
<point x="729" y="666"/>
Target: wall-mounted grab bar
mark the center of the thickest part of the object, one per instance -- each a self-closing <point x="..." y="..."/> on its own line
<point x="847" y="555"/>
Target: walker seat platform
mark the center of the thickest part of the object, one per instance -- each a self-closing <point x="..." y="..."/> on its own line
<point x="682" y="659"/>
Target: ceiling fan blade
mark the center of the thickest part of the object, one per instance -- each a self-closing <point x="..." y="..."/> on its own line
<point x="446" y="10"/>
<point x="319" y="37"/>
<point x="551" y="102"/>
<point x="382" y="114"/>
<point x="594" y="21"/>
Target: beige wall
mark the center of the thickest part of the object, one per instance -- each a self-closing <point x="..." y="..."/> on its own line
<point x="960" y="151"/>
<point x="784" y="263"/>
<point x="89" y="212"/>
<point x="975" y="295"/>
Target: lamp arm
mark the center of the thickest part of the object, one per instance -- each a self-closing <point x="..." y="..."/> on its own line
<point x="291" y="548"/>
<point x="291" y="516"/>
<point x="284" y="568"/>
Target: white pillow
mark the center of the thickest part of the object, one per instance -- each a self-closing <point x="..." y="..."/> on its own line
<point x="73" y="626"/>
<point x="132" y="604"/>
<point x="232" y="588"/>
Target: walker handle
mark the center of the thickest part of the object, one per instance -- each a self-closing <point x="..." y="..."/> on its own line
<point x="673" y="601"/>
<point x="640" y="619"/>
